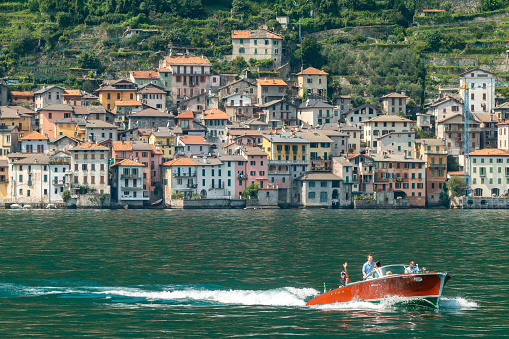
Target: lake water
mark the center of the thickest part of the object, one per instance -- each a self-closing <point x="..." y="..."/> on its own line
<point x="227" y="273"/>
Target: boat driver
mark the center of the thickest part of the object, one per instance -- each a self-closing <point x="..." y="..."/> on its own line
<point x="412" y="268"/>
<point x="345" y="279"/>
<point x="368" y="267"/>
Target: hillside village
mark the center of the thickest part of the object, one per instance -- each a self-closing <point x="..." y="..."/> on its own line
<point x="183" y="134"/>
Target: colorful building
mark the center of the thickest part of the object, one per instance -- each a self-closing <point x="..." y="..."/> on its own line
<point x="120" y="90"/>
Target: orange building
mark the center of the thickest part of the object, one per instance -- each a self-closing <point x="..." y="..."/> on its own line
<point x="22" y="97"/>
<point x="118" y="90"/>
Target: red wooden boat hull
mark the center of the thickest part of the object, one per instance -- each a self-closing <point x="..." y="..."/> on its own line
<point x="418" y="288"/>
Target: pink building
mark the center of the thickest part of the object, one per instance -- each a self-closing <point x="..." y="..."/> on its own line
<point x="143" y="153"/>
<point x="49" y="115"/>
<point x="256" y="166"/>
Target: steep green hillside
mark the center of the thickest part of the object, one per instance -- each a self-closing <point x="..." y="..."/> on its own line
<point x="369" y="47"/>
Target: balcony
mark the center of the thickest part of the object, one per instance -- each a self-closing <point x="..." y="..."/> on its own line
<point x="30" y="183"/>
<point x="275" y="172"/>
<point x="137" y="188"/>
<point x="130" y="176"/>
<point x="192" y="185"/>
<point x="58" y="183"/>
<point x="176" y="174"/>
<point x="242" y="176"/>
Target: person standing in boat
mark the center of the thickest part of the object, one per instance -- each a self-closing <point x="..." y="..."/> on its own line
<point x="368" y="267"/>
<point x="412" y="268"/>
<point x="345" y="279"/>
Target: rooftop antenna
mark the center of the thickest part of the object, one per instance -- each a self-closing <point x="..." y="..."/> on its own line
<point x="300" y="39"/>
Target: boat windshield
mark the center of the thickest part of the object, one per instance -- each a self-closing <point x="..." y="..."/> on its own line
<point x="392" y="270"/>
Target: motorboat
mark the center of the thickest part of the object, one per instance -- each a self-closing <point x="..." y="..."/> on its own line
<point x="51" y="207"/>
<point x="27" y="207"/>
<point x="157" y="202"/>
<point x="403" y="284"/>
<point x="15" y="207"/>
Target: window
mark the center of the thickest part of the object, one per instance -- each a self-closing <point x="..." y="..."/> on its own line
<point x="311" y="195"/>
<point x="323" y="184"/>
<point x="323" y="196"/>
<point x="311" y="184"/>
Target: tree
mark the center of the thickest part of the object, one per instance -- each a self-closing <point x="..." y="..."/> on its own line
<point x="251" y="192"/>
<point x="455" y="185"/>
<point x="87" y="59"/>
<point x="311" y="52"/>
<point x="237" y="6"/>
<point x="66" y="195"/>
<point x="452" y="163"/>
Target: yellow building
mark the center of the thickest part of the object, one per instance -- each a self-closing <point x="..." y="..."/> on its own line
<point x="165" y="140"/>
<point x="4" y="179"/>
<point x="9" y="116"/>
<point x="8" y="138"/>
<point x="320" y="150"/>
<point x="286" y="147"/>
<point x="312" y="81"/>
<point x="74" y="128"/>
<point x="118" y="90"/>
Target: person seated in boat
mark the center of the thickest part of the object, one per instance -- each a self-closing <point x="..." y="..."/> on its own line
<point x="412" y="268"/>
<point x="368" y="267"/>
<point x="375" y="270"/>
<point x="345" y="279"/>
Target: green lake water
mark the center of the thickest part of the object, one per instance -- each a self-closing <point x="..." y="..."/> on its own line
<point x="227" y="273"/>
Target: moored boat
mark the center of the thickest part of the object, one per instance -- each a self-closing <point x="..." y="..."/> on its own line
<point x="15" y="207"/>
<point x="51" y="207"/>
<point x="157" y="202"/>
<point x="27" y="207"/>
<point x="392" y="281"/>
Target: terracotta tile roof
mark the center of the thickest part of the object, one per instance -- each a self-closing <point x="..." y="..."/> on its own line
<point x="186" y="115"/>
<point x="214" y="113"/>
<point x="164" y="70"/>
<point x="127" y="103"/>
<point x="490" y="151"/>
<point x="255" y="34"/>
<point x="193" y="140"/>
<point x="90" y="146"/>
<point x="350" y="155"/>
<point x="505" y="122"/>
<point x="156" y="151"/>
<point x="72" y="92"/>
<point x="271" y="82"/>
<point x="188" y="60"/>
<point x="312" y="71"/>
<point x="144" y="74"/>
<point x="180" y="162"/>
<point x="433" y="10"/>
<point x="34" y="136"/>
<point x="22" y="94"/>
<point x="121" y="146"/>
<point x="128" y="162"/>
<point x="456" y="173"/>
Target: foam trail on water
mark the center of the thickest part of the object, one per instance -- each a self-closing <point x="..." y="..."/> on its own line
<point x="457" y="303"/>
<point x="286" y="296"/>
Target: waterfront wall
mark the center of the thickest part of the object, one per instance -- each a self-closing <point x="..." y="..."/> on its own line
<point x="207" y="203"/>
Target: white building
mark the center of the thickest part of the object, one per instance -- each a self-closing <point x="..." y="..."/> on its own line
<point x="481" y="90"/>
<point x="34" y="142"/>
<point x="312" y="81"/>
<point x="127" y="183"/>
<point x="394" y="103"/>
<point x="89" y="164"/>
<point x="214" y="178"/>
<point x="153" y="96"/>
<point x="357" y="115"/>
<point x="257" y="44"/>
<point x="98" y="130"/>
<point x="503" y="135"/>
<point x="48" y="96"/>
<point x="316" y="113"/>
<point x="397" y="143"/>
<point x="489" y="172"/>
<point x="215" y="121"/>
<point x="60" y="175"/>
<point x="193" y="145"/>
<point x="384" y="124"/>
<point x="29" y="179"/>
<point x="445" y="107"/>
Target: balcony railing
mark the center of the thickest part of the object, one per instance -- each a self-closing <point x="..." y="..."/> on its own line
<point x="131" y="188"/>
<point x="192" y="185"/>
<point x="242" y="176"/>
<point x="130" y="176"/>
